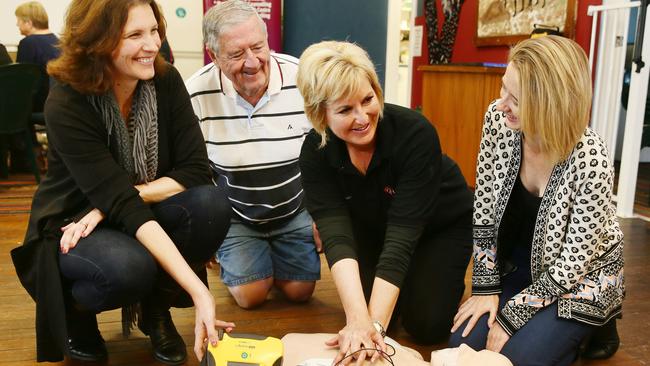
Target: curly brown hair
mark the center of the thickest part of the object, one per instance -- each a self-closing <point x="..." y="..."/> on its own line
<point x="92" y="31"/>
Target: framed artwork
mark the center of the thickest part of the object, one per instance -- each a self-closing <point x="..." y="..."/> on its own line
<point x="503" y="22"/>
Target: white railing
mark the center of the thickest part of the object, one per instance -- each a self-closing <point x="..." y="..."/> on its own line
<point x="609" y="69"/>
<point x="612" y="42"/>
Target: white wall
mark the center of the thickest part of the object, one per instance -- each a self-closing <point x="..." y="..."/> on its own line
<point x="184" y="33"/>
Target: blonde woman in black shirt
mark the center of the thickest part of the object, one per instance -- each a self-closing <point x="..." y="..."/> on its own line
<point x="392" y="211"/>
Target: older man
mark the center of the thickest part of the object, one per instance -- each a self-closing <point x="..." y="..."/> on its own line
<point x="252" y="118"/>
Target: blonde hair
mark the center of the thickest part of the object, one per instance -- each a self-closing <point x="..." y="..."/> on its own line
<point x="555" y="85"/>
<point x="329" y="71"/>
<point x="33" y="12"/>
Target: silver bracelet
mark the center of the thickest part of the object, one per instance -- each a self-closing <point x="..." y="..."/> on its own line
<point x="379" y="328"/>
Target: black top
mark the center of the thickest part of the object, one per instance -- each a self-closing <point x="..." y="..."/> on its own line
<point x="516" y="232"/>
<point x="83" y="174"/>
<point x="38" y="49"/>
<point x="410" y="189"/>
<point x="4" y="55"/>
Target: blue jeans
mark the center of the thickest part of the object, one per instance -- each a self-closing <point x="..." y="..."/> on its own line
<point x="287" y="252"/>
<point x="109" y="269"/>
<point x="545" y="339"/>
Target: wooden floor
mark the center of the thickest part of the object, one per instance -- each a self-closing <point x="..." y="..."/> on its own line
<point x="277" y="317"/>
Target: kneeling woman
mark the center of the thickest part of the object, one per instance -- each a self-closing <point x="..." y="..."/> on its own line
<point x="548" y="251"/>
<point x="393" y="212"/>
<point x="127" y="212"/>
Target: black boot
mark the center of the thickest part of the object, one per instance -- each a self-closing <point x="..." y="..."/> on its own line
<point x="156" y="322"/>
<point x="85" y="343"/>
<point x="168" y="345"/>
<point x="603" y="343"/>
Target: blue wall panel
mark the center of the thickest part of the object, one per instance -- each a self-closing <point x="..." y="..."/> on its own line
<point x="361" y="21"/>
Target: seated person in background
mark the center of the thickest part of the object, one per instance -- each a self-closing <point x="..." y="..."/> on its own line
<point x="126" y="213"/>
<point x="393" y="212"/>
<point x="166" y="52"/>
<point x="548" y="250"/>
<point x="4" y="56"/>
<point x="253" y="122"/>
<point x="38" y="46"/>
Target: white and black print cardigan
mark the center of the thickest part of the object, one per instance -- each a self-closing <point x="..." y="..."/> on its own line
<point x="577" y="249"/>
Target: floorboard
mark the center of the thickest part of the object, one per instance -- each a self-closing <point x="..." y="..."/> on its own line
<point x="323" y="313"/>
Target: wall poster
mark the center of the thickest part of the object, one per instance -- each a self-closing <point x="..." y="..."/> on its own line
<point x="509" y="21"/>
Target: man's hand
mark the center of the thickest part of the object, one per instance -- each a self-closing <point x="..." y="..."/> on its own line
<point x="212" y="263"/>
<point x="317" y="241"/>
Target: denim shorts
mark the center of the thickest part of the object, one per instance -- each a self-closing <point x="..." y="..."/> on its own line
<point x="284" y="253"/>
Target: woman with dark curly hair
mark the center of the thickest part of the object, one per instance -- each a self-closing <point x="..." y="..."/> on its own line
<point x="127" y="215"/>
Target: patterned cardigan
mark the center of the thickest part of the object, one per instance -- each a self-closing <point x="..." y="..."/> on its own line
<point x="577" y="249"/>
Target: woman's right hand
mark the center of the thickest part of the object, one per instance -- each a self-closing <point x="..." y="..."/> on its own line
<point x="80" y="229"/>
<point x="317" y="242"/>
<point x="473" y="309"/>
<point x="206" y="323"/>
<point x="354" y="336"/>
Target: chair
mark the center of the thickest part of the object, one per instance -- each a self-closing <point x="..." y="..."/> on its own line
<point x="38" y="116"/>
<point x="18" y="82"/>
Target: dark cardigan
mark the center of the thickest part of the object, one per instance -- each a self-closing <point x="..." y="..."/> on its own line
<point x="84" y="174"/>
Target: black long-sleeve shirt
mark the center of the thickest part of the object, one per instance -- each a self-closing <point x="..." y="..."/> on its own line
<point x="410" y="190"/>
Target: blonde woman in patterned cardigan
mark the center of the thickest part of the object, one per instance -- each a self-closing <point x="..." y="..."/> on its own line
<point x="548" y="250"/>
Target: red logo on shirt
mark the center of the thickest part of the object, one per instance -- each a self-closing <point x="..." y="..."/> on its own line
<point x="389" y="191"/>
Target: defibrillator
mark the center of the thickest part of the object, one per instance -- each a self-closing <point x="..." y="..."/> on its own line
<point x="244" y="350"/>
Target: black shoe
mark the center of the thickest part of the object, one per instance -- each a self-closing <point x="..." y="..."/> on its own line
<point x="85" y="343"/>
<point x="89" y="350"/>
<point x="603" y="343"/>
<point x="168" y="345"/>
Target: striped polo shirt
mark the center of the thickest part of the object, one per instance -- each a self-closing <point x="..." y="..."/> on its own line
<point x="254" y="150"/>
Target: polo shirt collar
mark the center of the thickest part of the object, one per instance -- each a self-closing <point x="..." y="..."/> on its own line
<point x="276" y="80"/>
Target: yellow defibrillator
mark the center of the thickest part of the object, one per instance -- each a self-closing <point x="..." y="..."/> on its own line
<point x="244" y="350"/>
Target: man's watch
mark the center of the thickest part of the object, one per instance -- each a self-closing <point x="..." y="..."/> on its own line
<point x="379" y="328"/>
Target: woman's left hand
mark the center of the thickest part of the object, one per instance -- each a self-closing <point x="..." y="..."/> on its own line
<point x="497" y="338"/>
<point x="353" y="337"/>
<point x="206" y="324"/>
<point x="80" y="229"/>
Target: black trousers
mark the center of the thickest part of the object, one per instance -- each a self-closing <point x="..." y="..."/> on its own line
<point x="109" y="269"/>
<point x="434" y="285"/>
